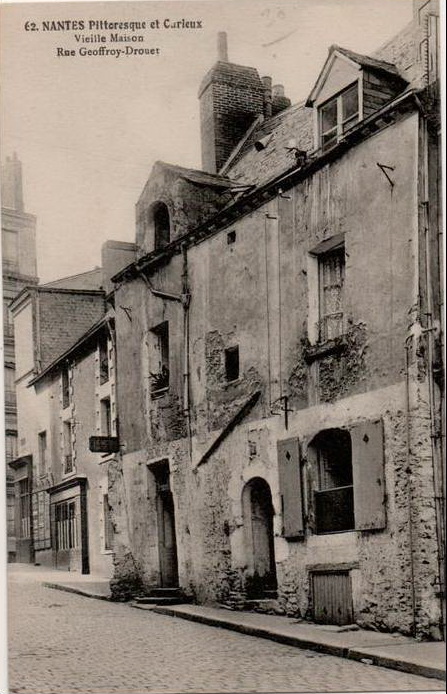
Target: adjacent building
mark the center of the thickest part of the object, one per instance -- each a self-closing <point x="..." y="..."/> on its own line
<point x="279" y="349"/>
<point x="65" y="378"/>
<point x="19" y="270"/>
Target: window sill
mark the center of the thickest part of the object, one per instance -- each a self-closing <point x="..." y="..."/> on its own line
<point x="323" y="349"/>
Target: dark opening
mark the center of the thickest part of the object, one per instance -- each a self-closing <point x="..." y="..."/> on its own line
<point x="232" y="363"/>
<point x="334" y="498"/>
<point x="231" y="237"/>
<point x="65" y="389"/>
<point x="162" y="225"/>
<point x="160" y="375"/>
<point x="103" y="360"/>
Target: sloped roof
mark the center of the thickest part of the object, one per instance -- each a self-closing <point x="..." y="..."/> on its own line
<point x="365" y="61"/>
<point x="197" y="176"/>
<point x="92" y="279"/>
<point x="258" y="167"/>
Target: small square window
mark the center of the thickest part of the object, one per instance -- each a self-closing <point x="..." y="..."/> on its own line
<point x="232" y="364"/>
<point x="231" y="237"/>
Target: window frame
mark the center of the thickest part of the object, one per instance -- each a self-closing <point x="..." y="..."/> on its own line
<point x="65" y="387"/>
<point x="341" y="127"/>
<point x="324" y="331"/>
<point x="326" y="495"/>
<point x="161" y="377"/>
<point x="104" y="361"/>
<point x="105" y="406"/>
<point x="42" y="438"/>
<point x="67" y="442"/>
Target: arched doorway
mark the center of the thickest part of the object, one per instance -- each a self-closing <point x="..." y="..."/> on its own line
<point x="258" y="523"/>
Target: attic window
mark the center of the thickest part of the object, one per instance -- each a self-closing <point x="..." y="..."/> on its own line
<point x="231" y="237"/>
<point x="337" y="115"/>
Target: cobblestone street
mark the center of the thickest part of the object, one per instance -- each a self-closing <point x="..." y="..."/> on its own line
<point x="61" y="642"/>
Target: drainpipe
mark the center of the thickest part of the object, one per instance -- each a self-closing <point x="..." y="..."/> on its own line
<point x="186" y="300"/>
<point x="409" y="479"/>
<point x="435" y="434"/>
<point x="436" y="401"/>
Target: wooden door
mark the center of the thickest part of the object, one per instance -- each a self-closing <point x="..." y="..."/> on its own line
<point x="332" y="597"/>
<point x="264" y="567"/>
<point x="167" y="545"/>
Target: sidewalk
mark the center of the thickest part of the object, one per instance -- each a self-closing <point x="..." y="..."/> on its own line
<point x="373" y="648"/>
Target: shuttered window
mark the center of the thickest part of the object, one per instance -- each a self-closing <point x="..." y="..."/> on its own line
<point x="368" y="472"/>
<point x="290" y="486"/>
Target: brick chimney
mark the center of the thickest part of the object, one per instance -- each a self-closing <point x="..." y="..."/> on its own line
<point x="12" y="189"/>
<point x="231" y="97"/>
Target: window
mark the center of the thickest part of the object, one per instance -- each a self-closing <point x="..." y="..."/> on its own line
<point x="103" y="360"/>
<point x="106" y="417"/>
<point x="65" y="388"/>
<point x="10" y="392"/>
<point x="232" y="364"/>
<point x="68" y="451"/>
<point x="10" y="446"/>
<point x="337" y="115"/>
<point x="160" y="374"/>
<point x="108" y="527"/>
<point x="41" y="523"/>
<point x="231" y="237"/>
<point x="334" y="498"/>
<point x="42" y="452"/>
<point x="331" y="271"/>
<point x="24" y="509"/>
<point x="162" y="225"/>
<point x="66" y="531"/>
<point x="8" y="325"/>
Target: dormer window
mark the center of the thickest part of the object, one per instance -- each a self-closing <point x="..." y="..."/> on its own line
<point x="337" y="115"/>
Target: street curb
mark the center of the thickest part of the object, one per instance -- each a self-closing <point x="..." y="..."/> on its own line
<point x="401" y="665"/>
<point x="298" y="642"/>
<point x="77" y="591"/>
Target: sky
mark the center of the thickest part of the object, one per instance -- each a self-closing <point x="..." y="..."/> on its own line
<point x="89" y="129"/>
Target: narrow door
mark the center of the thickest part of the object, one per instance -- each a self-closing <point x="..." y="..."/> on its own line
<point x="264" y="567"/>
<point x="167" y="546"/>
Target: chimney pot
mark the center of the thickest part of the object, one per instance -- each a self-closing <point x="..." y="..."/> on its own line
<point x="222" y="47"/>
<point x="278" y="90"/>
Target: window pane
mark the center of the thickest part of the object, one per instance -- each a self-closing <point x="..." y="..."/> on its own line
<point x="329" y="116"/>
<point x="350" y="102"/>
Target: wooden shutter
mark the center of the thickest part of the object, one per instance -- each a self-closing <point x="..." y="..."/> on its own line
<point x="368" y="475"/>
<point x="290" y="488"/>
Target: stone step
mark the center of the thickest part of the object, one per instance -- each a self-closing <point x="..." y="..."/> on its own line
<point x="160" y="600"/>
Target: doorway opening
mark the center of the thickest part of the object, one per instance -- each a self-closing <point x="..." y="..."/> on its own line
<point x="167" y="545"/>
<point x="258" y="523"/>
